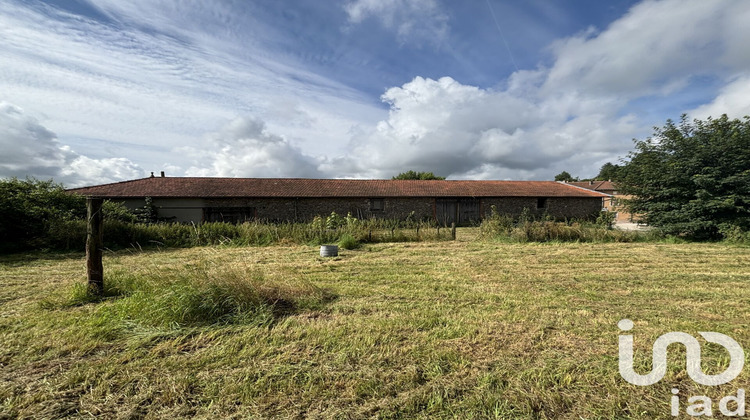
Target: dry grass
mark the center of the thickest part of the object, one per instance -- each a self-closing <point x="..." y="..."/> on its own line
<point x="458" y="329"/>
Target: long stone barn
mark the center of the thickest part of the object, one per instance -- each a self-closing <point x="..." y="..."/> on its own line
<point x="183" y="199"/>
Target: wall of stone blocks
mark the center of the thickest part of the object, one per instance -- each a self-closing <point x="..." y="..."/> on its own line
<point x="187" y="210"/>
<point x="305" y="209"/>
<point x="557" y="207"/>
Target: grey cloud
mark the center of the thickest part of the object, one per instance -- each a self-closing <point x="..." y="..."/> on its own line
<point x="30" y="149"/>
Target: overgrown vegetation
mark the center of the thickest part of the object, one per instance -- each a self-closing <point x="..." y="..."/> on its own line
<point x="71" y="234"/>
<point x="198" y="293"/>
<point x="692" y="179"/>
<point x="38" y="214"/>
<point x="526" y="228"/>
<point x="449" y="329"/>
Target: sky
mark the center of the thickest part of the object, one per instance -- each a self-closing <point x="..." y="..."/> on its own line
<point x="96" y="91"/>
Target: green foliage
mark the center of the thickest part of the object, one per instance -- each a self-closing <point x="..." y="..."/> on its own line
<point x="348" y="241"/>
<point x="200" y="293"/>
<point x="526" y="228"/>
<point x="565" y="176"/>
<point x="28" y="208"/>
<point x="147" y="213"/>
<point x="608" y="171"/>
<point x="606" y="219"/>
<point x="40" y="214"/>
<point x="692" y="179"/>
<point x="334" y="221"/>
<point x="425" y="176"/>
<point x="496" y="225"/>
<point x="117" y="211"/>
<point x="71" y="234"/>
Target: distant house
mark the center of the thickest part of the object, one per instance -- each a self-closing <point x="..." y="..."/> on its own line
<point x="612" y="203"/>
<point x="295" y="199"/>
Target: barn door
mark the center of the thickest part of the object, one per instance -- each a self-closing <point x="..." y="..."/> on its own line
<point x="445" y="211"/>
<point x="459" y="211"/>
<point x="468" y="211"/>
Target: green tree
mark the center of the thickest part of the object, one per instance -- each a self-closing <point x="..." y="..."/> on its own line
<point x="29" y="207"/>
<point x="692" y="179"/>
<point x="565" y="176"/>
<point x="418" y="175"/>
<point x="608" y="171"/>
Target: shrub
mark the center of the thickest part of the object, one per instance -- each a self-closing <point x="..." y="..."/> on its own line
<point x="28" y="208"/>
<point x="348" y="241"/>
<point x="526" y="229"/>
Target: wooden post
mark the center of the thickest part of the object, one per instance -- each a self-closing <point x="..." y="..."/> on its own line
<point x="453" y="231"/>
<point x="94" y="243"/>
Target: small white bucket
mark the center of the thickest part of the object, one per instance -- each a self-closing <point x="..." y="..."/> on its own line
<point x="329" y="251"/>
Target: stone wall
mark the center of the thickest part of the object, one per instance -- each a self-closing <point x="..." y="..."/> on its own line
<point x="557" y="207"/>
<point x="187" y="210"/>
<point x="305" y="209"/>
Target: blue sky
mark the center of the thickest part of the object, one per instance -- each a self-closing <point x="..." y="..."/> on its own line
<point x="95" y="91"/>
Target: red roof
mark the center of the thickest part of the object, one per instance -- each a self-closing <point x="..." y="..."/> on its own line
<point x="319" y="188"/>
<point x="595" y="185"/>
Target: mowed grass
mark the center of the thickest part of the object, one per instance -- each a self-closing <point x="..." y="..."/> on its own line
<point x="456" y="329"/>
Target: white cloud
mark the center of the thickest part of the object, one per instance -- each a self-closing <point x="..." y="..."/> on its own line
<point x="413" y="21"/>
<point x="154" y="80"/>
<point x="245" y="148"/>
<point x="161" y="75"/>
<point x="575" y="114"/>
<point x="464" y="131"/>
<point x="30" y="149"/>
<point x="86" y="171"/>
<point x="733" y="100"/>
<point x="654" y="49"/>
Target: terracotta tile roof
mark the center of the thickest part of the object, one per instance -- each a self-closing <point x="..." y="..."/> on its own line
<point x="595" y="185"/>
<point x="319" y="188"/>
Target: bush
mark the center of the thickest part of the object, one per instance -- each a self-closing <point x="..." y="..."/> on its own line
<point x="28" y="208"/>
<point x="526" y="229"/>
<point x="348" y="241"/>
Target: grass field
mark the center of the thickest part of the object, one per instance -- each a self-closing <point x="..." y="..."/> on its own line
<point x="451" y="329"/>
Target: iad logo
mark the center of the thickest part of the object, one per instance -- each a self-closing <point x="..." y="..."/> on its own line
<point x="693" y="347"/>
<point x="701" y="405"/>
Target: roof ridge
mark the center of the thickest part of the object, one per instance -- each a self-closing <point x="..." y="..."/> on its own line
<point x="583" y="188"/>
<point x="111" y="183"/>
<point x="327" y="187"/>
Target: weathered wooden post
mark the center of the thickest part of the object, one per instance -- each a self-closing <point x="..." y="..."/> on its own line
<point x="94" y="243"/>
<point x="453" y="231"/>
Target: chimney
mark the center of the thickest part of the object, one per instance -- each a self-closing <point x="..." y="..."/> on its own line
<point x="591" y="182"/>
<point x="152" y="174"/>
<point x="162" y="174"/>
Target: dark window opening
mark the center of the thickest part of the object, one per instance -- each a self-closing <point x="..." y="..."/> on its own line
<point x="232" y="215"/>
<point x="541" y="203"/>
<point x="377" y="204"/>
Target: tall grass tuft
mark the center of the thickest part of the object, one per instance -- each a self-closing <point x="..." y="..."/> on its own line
<point x="348" y="241"/>
<point x="200" y="293"/>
